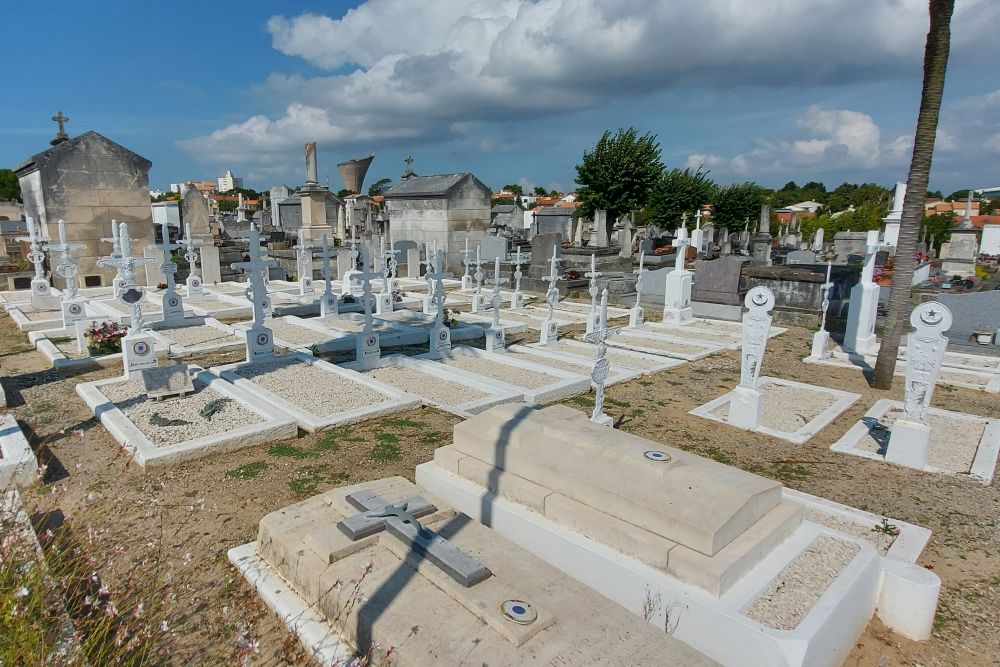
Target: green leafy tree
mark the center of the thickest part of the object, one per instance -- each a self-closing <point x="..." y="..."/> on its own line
<point x="735" y="203"/>
<point x="379" y="187"/>
<point x="958" y="195"/>
<point x="343" y="193"/>
<point x="10" y="189"/>
<point x="226" y="206"/>
<point x="939" y="225"/>
<point x="618" y="174"/>
<point x="936" y="50"/>
<point x="513" y="187"/>
<point x="539" y="191"/>
<point x="678" y="191"/>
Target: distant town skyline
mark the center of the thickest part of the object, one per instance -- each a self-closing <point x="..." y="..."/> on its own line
<point x="514" y="92"/>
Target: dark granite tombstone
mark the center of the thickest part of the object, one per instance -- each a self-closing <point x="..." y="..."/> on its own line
<point x="719" y="280"/>
<point x="800" y="257"/>
<point x="541" y="253"/>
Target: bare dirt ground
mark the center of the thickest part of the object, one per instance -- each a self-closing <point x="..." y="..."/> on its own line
<point x="185" y="517"/>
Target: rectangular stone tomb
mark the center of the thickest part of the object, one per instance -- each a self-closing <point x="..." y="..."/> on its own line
<point x="401" y="588"/>
<point x="792" y="411"/>
<point x="202" y="335"/>
<point x="710" y="552"/>
<point x="570" y="364"/>
<point x="216" y="418"/>
<point x="960" y="443"/>
<point x="317" y="394"/>
<point x="956" y="370"/>
<point x="668" y="346"/>
<point x="574" y="349"/>
<point x="18" y="467"/>
<point x="537" y="383"/>
<point x="28" y="319"/>
<point x="437" y="386"/>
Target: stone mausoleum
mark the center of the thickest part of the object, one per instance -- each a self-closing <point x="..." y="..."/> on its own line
<point x="447" y="208"/>
<point x="88" y="181"/>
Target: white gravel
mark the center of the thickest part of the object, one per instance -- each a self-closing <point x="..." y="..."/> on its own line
<point x="560" y="364"/>
<point x="211" y="305"/>
<point x="519" y="377"/>
<point x="310" y="387"/>
<point x="39" y="315"/>
<point x="352" y="326"/>
<point x="791" y="595"/>
<point x="130" y="398"/>
<point x="787" y="409"/>
<point x="431" y="387"/>
<point x="294" y="334"/>
<point x="881" y="541"/>
<point x="953" y="445"/>
<point x="68" y="348"/>
<point x="198" y="336"/>
<point x="658" y="344"/>
<point x="692" y="334"/>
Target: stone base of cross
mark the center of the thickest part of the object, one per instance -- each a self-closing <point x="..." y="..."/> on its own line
<point x="173" y="307"/>
<point x="260" y="344"/>
<point x="440" y="340"/>
<point x="549" y="333"/>
<point x="138" y="352"/>
<point x="636" y="316"/>
<point x="495" y="339"/>
<point x="42" y="297"/>
<point x="517" y="300"/>
<point x="821" y="339"/>
<point x="677" y="298"/>
<point x="383" y="304"/>
<point x="745" y="409"/>
<point x="306" y="287"/>
<point x="466" y="283"/>
<point x="328" y="306"/>
<point x="367" y="348"/>
<point x="195" y="288"/>
<point x="602" y="367"/>
<point x="72" y="312"/>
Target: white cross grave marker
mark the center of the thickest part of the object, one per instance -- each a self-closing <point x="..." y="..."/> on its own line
<point x="745" y="407"/>
<point x="859" y="334"/>
<point x="384" y="301"/>
<point x="327" y="302"/>
<point x="138" y="345"/>
<point x="466" y="278"/>
<point x="71" y="305"/>
<point x="636" y="316"/>
<point x="550" y="328"/>
<point x="41" y="289"/>
<point x="822" y="337"/>
<point x="478" y="300"/>
<point x="602" y="367"/>
<point x="517" y="300"/>
<point x="593" y="274"/>
<point x="173" y="306"/>
<point x="367" y="344"/>
<point x="909" y="439"/>
<point x="440" y="334"/>
<point x="677" y="293"/>
<point x="195" y="291"/>
<point x="495" y="340"/>
<point x="303" y="256"/>
<point x="116" y="252"/>
<point x="260" y="340"/>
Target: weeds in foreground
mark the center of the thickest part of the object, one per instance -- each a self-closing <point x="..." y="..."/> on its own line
<point x="248" y="471"/>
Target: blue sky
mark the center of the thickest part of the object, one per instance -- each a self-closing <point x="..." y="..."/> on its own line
<point x="512" y="90"/>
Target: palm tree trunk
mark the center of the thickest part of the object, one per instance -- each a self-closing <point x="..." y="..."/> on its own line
<point x="935" y="65"/>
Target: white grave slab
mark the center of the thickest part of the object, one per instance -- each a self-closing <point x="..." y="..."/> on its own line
<point x="18" y="467"/>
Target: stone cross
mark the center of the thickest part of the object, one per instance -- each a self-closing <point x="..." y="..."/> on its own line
<point x="116" y="252"/>
<point x="173" y="307"/>
<point x="478" y="300"/>
<point x="602" y="367"/>
<point x="393" y="264"/>
<point x="496" y="300"/>
<point x="401" y="521"/>
<point x="681" y="242"/>
<point x="967" y="216"/>
<point x="593" y="274"/>
<point x="549" y="326"/>
<point x="517" y="300"/>
<point x="822" y="337"/>
<point x="138" y="347"/>
<point x="745" y="408"/>
<point x="328" y="302"/>
<point x="466" y="278"/>
<point x="61" y="120"/>
<point x="193" y="282"/>
<point x="909" y="439"/>
<point x="636" y="316"/>
<point x="40" y="287"/>
<point x="367" y="341"/>
<point x="859" y="333"/>
<point x="303" y="256"/>
<point x="66" y="267"/>
<point x="439" y="335"/>
<point x="256" y="291"/>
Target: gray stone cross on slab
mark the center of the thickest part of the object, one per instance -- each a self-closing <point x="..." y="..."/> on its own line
<point x="400" y="520"/>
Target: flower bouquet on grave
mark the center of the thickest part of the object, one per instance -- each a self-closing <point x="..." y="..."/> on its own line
<point x="397" y="295"/>
<point x="104" y="338"/>
<point x="448" y="319"/>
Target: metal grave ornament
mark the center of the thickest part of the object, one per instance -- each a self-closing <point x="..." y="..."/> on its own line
<point x="909" y="439"/>
<point x="41" y="290"/>
<point x="517" y="299"/>
<point x="260" y="340"/>
<point x="495" y="341"/>
<point x="194" y="284"/>
<point x="303" y="264"/>
<point x="636" y="316"/>
<point x="602" y="367"/>
<point x="116" y="252"/>
<point x="401" y="520"/>
<point x="440" y="334"/>
<point x="677" y="293"/>
<point x="550" y="327"/>
<point x="745" y="407"/>
<point x="350" y="284"/>
<point x="593" y="274"/>
<point x="428" y="266"/>
<point x="822" y="337"/>
<point x="173" y="307"/>
<point x="327" y="302"/>
<point x="70" y="304"/>
<point x="384" y="301"/>
<point x="367" y="343"/>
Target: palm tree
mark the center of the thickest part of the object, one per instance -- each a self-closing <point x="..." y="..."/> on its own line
<point x="935" y="65"/>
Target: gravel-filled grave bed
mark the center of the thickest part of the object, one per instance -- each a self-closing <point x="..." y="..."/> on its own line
<point x="435" y="389"/>
<point x="953" y="445"/>
<point x="798" y="587"/>
<point x="318" y="391"/>
<point x="786" y="409"/>
<point x="513" y="375"/>
<point x="179" y="419"/>
<point x="294" y="334"/>
<point x="658" y="344"/>
<point x="40" y="315"/>
<point x="881" y="540"/>
<point x="693" y="334"/>
<point x="201" y="335"/>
